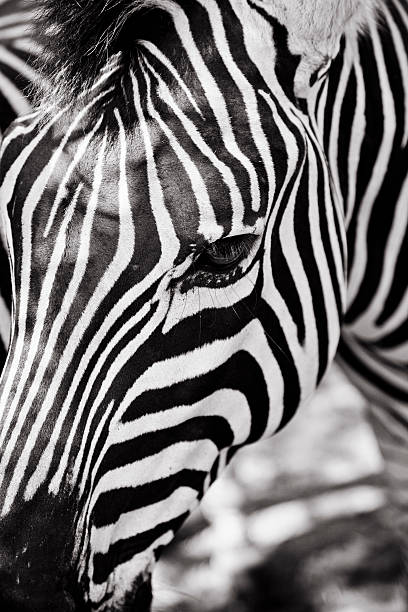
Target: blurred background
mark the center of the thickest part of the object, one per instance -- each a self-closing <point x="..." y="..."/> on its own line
<point x="297" y="523"/>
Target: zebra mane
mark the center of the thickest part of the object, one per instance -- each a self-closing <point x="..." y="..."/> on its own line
<point x="83" y="35"/>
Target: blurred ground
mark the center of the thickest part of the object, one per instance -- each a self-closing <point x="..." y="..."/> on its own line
<point x="298" y="523"/>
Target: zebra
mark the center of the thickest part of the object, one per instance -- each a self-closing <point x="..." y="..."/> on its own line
<point x="20" y="50"/>
<point x="196" y="217"/>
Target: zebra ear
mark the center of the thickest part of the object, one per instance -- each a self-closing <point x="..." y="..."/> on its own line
<point x="315" y="28"/>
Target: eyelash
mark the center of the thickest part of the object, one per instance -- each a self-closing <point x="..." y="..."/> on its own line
<point x="218" y="263"/>
<point x="226" y="253"/>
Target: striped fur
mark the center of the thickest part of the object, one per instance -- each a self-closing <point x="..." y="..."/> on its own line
<point x="365" y="134"/>
<point x="138" y="363"/>
<point x="20" y="48"/>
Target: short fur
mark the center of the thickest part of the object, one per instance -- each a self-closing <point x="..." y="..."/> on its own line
<point x="85" y="34"/>
<point x="315" y="28"/>
<point x="82" y="36"/>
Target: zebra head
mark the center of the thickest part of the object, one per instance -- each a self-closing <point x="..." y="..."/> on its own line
<point x="177" y="257"/>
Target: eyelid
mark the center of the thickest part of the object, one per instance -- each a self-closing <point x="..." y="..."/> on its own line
<point x="238" y="243"/>
<point x="226" y="253"/>
<point x="209" y="274"/>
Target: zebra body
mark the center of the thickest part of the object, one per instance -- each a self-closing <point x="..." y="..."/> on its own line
<point x="365" y="135"/>
<point x="369" y="167"/>
<point x="186" y="228"/>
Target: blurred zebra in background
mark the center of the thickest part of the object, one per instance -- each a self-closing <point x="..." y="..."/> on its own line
<point x="210" y="190"/>
<point x="361" y="113"/>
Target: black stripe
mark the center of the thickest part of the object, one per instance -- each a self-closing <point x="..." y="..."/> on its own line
<point x="395" y="338"/>
<point x="124" y="550"/>
<point x="286" y="63"/>
<point x="383" y="209"/>
<point x="306" y="253"/>
<point x="112" y="504"/>
<point x="240" y="372"/>
<point x="213" y="428"/>
<point x="281" y="351"/>
<point x="352" y="360"/>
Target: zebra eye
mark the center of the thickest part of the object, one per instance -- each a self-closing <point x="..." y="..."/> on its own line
<point x="225" y="254"/>
<point x="217" y="265"/>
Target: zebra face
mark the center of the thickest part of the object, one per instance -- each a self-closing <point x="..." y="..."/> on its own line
<point x="177" y="258"/>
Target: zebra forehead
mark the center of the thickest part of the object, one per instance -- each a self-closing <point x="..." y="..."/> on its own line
<point x="75" y="55"/>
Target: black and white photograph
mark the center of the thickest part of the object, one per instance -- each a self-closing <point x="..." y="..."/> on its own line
<point x="203" y="305"/>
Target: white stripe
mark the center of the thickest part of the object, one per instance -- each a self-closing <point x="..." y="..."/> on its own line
<point x="185" y="305"/>
<point x="79" y="271"/>
<point x="359" y="267"/>
<point x="124" y="575"/>
<point x="118" y="364"/>
<point x="32" y="200"/>
<point x="29" y="46"/>
<point x="14" y="97"/>
<point x="229" y="404"/>
<point x="14" y="32"/>
<point x="333" y="152"/>
<point x="17" y="64"/>
<point x="5" y="323"/>
<point x="320" y="251"/>
<point x="167" y="238"/>
<point x="197" y="455"/>
<point x="248" y="95"/>
<point x="357" y="132"/>
<point x="401" y="54"/>
<point x="6" y="192"/>
<point x="18" y="17"/>
<point x="143" y="519"/>
<point x="205" y="359"/>
<point x="365" y="326"/>
<point x="170" y="67"/>
<point x="225" y="172"/>
<point x="214" y="97"/>
<point x="208" y="225"/>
